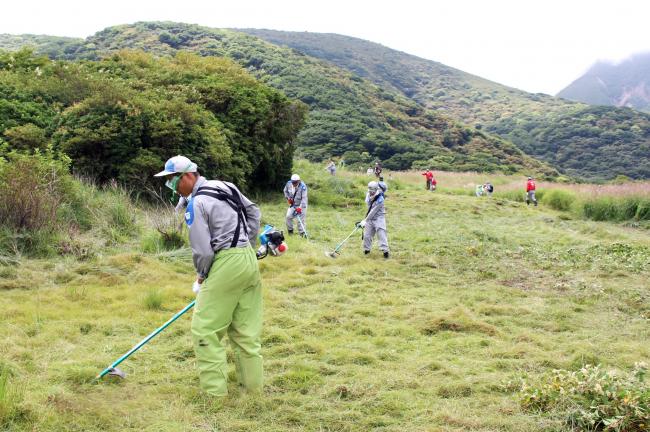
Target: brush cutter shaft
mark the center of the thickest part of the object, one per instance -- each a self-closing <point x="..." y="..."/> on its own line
<point x="336" y="249"/>
<point x="301" y="225"/>
<point x="147" y="339"/>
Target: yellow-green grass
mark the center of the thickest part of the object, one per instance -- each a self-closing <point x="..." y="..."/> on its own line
<point x="477" y="294"/>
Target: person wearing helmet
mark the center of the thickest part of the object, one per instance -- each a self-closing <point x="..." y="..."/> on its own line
<point x="295" y="191"/>
<point x="223" y="226"/>
<point x="375" y="220"/>
<point x="530" y="191"/>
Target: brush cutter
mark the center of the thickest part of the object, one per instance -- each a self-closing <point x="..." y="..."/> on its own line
<point x="297" y="214"/>
<point x="114" y="371"/>
<point x="335" y="253"/>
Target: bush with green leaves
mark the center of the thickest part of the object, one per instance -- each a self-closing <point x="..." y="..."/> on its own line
<point x="616" y="209"/>
<point x="122" y="117"/>
<point x="593" y="398"/>
<point x="559" y="199"/>
<point x="37" y="190"/>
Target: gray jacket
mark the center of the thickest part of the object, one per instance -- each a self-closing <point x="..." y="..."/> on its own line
<point x="377" y="211"/>
<point x="212" y="224"/>
<point x="300" y="199"/>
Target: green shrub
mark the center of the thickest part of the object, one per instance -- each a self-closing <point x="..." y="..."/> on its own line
<point x="559" y="199"/>
<point x="593" y="398"/>
<point x="158" y="241"/>
<point x="34" y="189"/>
<point x="616" y="209"/>
<point x="153" y="299"/>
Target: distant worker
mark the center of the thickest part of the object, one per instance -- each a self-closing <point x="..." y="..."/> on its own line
<point x="428" y="176"/>
<point x="223" y="226"/>
<point x="295" y="191"/>
<point x="530" y="191"/>
<point x="331" y="167"/>
<point x="375" y="220"/>
<point x="488" y="188"/>
<point x="479" y="190"/>
<point x="378" y="169"/>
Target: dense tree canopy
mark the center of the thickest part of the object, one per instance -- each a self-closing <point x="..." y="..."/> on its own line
<point x="122" y="117"/>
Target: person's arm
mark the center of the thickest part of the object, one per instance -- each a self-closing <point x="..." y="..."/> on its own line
<point x="303" y="201"/>
<point x="200" y="240"/>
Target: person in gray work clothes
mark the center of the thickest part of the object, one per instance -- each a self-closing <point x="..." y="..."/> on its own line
<point x="375" y="220"/>
<point x="295" y="191"/>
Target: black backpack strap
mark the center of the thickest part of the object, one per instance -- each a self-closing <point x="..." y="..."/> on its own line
<point x="374" y="200"/>
<point x="295" y="193"/>
<point x="234" y="202"/>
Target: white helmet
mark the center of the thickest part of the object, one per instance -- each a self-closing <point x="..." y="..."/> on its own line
<point x="295" y="177"/>
<point x="373" y="186"/>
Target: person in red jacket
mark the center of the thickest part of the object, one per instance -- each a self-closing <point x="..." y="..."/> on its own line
<point x="530" y="191"/>
<point x="428" y="175"/>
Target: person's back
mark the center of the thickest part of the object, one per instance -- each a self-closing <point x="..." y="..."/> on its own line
<point x="530" y="191"/>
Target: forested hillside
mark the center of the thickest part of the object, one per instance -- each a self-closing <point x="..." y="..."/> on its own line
<point x="348" y="117"/>
<point x="625" y="84"/>
<point x="122" y="117"/>
<point x="550" y="128"/>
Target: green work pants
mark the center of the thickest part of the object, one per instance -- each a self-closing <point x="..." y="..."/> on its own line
<point x="230" y="301"/>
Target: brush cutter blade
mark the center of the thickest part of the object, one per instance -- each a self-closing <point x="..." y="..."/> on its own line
<point x="116" y="372"/>
<point x="331" y="253"/>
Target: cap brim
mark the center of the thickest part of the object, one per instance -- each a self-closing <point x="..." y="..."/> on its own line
<point x="164" y="173"/>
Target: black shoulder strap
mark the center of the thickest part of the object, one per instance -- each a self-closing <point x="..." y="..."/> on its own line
<point x="234" y="201"/>
<point x="295" y="192"/>
<point x="374" y="200"/>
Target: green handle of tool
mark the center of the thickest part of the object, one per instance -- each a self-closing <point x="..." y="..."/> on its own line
<point x="147" y="339"/>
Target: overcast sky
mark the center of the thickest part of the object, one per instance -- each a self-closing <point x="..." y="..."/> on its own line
<point x="537" y="46"/>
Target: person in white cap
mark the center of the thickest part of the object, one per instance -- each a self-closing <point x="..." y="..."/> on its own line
<point x="223" y="226"/>
<point x="295" y="191"/>
<point x="375" y="220"/>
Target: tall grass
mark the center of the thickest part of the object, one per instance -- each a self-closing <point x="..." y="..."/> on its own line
<point x="10" y="398"/>
<point x="617" y="209"/>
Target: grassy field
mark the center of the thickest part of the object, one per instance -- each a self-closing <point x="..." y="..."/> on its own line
<point x="478" y="295"/>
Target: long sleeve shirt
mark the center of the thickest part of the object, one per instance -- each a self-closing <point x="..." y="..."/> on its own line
<point x="296" y="193"/>
<point x="213" y="223"/>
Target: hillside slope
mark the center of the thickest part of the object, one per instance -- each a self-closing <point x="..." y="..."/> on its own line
<point x="349" y="116"/>
<point x="619" y="146"/>
<point x="478" y="295"/>
<point x="626" y="84"/>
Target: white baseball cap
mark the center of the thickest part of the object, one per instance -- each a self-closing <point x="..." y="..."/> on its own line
<point x="177" y="164"/>
<point x="295" y="177"/>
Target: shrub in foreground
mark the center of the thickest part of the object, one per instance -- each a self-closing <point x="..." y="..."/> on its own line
<point x="593" y="398"/>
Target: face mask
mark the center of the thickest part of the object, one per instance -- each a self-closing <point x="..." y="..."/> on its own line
<point x="173" y="182"/>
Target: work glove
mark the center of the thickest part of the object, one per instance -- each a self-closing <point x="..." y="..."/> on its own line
<point x="361" y="224"/>
<point x="298" y="210"/>
<point x="290" y="201"/>
<point x="196" y="287"/>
